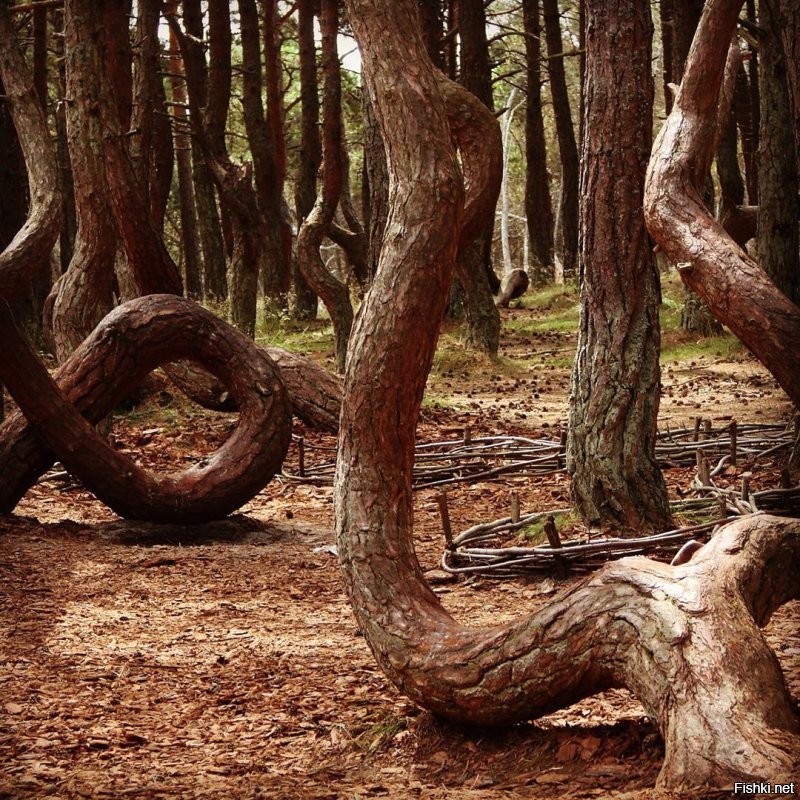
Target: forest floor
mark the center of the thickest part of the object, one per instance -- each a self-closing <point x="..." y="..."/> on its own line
<point x="139" y="661"/>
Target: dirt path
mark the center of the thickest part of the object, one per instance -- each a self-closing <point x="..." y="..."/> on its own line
<point x="224" y="662"/>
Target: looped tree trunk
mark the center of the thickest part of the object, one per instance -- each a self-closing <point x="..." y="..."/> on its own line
<point x="683" y="639"/>
<point x="131" y="341"/>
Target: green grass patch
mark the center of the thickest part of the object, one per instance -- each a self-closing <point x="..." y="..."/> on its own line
<point x="381" y="732"/>
<point x="725" y="346"/>
<point x="534" y="535"/>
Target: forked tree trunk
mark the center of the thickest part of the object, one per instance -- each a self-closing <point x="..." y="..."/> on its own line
<point x="738" y="291"/>
<point x="616" y="480"/>
<point x="683" y="639"/>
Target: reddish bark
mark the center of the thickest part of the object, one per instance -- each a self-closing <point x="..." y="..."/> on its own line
<point x="719" y="696"/>
<point x="130" y="342"/>
<point x="333" y="293"/>
<point x="538" y="206"/>
<point x="29" y="251"/>
<point x="738" y="291"/>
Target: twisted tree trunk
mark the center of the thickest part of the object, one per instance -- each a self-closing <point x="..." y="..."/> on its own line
<point x="739" y="292"/>
<point x="683" y="639"/>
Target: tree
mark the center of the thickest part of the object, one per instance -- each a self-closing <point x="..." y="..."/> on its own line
<point x="474" y="268"/>
<point x="778" y="202"/>
<point x="616" y="480"/>
<point x="84" y="293"/>
<point x="334" y="293"/>
<point x="566" y="235"/>
<point x="538" y="207"/>
<point x="735" y="287"/>
<point x="619" y="627"/>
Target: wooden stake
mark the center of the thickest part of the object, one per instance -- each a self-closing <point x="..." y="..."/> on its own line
<point x="467" y="435"/>
<point x="746" y="485"/>
<point x="514" y="508"/>
<point x="301" y="457"/>
<point x="444" y="513"/>
<point x="707" y="429"/>
<point x="702" y="468"/>
<point x="733" y="442"/>
<point x="786" y="480"/>
<point x="697" y="423"/>
<point x="555" y="542"/>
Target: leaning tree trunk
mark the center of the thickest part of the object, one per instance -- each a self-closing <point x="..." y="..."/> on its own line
<point x="719" y="697"/>
<point x="616" y="480"/>
<point x="739" y="292"/>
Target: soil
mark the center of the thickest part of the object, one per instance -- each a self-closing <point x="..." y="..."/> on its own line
<point x="223" y="661"/>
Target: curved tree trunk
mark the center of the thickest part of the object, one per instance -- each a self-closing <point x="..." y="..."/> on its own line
<point x="719" y="697"/>
<point x="130" y="342"/>
<point x="29" y="251"/>
<point x="738" y="291"/>
<point x="333" y="293"/>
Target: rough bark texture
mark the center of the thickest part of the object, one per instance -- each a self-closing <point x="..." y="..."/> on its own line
<point x="190" y="232"/>
<point x="538" y="207"/>
<point x="790" y="30"/>
<point x="740" y="293"/>
<point x="567" y="218"/>
<point x="268" y="172"/>
<point x="305" y="187"/>
<point x="778" y="201"/>
<point x="718" y="697"/>
<point x="130" y="342"/>
<point x="29" y="250"/>
<point x="215" y="285"/>
<point x="474" y="265"/>
<point x="376" y="179"/>
<point x="83" y="294"/>
<point x="616" y="480"/>
<point x="333" y="293"/>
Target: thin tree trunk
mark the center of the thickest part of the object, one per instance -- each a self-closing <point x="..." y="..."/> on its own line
<point x="566" y="237"/>
<point x="377" y="186"/>
<point x="305" y="191"/>
<point x="270" y="168"/>
<point x="538" y="206"/>
<point x="333" y="293"/>
<point x="190" y="234"/>
<point x="215" y="286"/>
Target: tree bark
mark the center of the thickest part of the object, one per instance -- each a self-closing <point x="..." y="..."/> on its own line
<point x="474" y="265"/>
<point x="84" y="292"/>
<point x="130" y="342"/>
<point x="215" y="286"/>
<point x="27" y="249"/>
<point x="567" y="218"/>
<point x="616" y="480"/>
<point x="620" y="627"/>
<point x="778" y="201"/>
<point x="333" y="293"/>
<point x="538" y="206"/>
<point x="376" y="186"/>
<point x="738" y="291"/>
<point x="305" y="191"/>
<point x="190" y="233"/>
